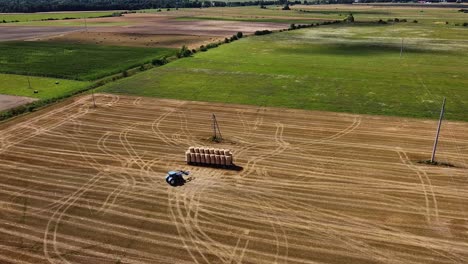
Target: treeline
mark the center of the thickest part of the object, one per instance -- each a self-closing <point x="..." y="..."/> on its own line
<point x="29" y="6"/>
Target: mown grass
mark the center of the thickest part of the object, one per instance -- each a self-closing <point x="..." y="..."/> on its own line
<point x="334" y="68"/>
<point x="43" y="16"/>
<point x="73" y="61"/>
<point x="47" y="87"/>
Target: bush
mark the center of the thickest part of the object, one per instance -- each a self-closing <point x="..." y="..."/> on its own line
<point x="396" y="20"/>
<point x="203" y="48"/>
<point x="226" y="40"/>
<point x="403" y="20"/>
<point x="349" y="19"/>
<point x="381" y="22"/>
<point x="239" y="35"/>
<point x="465" y="24"/>
<point x="292" y="26"/>
<point x="233" y="38"/>
<point x="194" y="51"/>
<point x="415" y="21"/>
<point x="159" y="62"/>
<point x="125" y="74"/>
<point x="212" y="45"/>
<point x="286" y="7"/>
<point x="184" y="52"/>
<point x="446" y="22"/>
<point x="262" y="32"/>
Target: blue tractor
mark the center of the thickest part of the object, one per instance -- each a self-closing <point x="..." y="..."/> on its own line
<point x="176" y="178"/>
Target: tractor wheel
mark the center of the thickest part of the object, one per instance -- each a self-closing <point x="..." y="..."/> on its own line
<point x="168" y="179"/>
<point x="172" y="182"/>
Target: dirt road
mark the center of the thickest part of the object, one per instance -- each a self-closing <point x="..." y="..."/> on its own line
<point x="85" y="185"/>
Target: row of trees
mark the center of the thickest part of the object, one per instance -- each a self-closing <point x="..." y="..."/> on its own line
<point x="26" y="6"/>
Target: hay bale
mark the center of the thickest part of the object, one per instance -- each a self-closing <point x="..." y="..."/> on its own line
<point x="228" y="160"/>
<point x="193" y="157"/>
<point x="202" y="158"/>
<point x="197" y="150"/>
<point x="217" y="159"/>
<point x="212" y="159"/>
<point x="198" y="157"/>
<point x="222" y="160"/>
<point x="207" y="158"/>
<point x="192" y="150"/>
<point x="187" y="157"/>
<point x="202" y="150"/>
<point x="212" y="151"/>
<point x="216" y="151"/>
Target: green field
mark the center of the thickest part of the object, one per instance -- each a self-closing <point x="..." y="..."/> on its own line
<point x="362" y="13"/>
<point x="46" y="87"/>
<point x="43" y="16"/>
<point x="73" y="61"/>
<point x="343" y="68"/>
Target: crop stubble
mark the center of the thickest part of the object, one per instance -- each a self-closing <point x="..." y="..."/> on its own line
<point x="85" y="185"/>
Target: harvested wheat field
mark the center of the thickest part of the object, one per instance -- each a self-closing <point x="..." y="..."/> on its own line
<point x="86" y="185"/>
<point x="153" y="30"/>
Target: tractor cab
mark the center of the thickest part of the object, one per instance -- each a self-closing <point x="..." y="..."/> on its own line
<point x="176" y="178"/>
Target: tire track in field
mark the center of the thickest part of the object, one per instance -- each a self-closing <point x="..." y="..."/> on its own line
<point x="428" y="189"/>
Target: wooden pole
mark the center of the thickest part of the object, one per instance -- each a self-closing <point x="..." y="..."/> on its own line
<point x="438" y="132"/>
<point x="216" y="130"/>
<point x="401" y="49"/>
<point x="214" y="126"/>
<point x="29" y="82"/>
<point x="94" y="101"/>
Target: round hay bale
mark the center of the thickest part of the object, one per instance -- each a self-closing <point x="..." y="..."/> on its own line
<point x="228" y="160"/>
<point x="193" y="157"/>
<point x="202" y="150"/>
<point x="216" y="152"/>
<point x="212" y="159"/>
<point x="207" y="158"/>
<point x="217" y="159"/>
<point x="187" y="157"/>
<point x="222" y="160"/>
<point x="202" y="158"/>
<point x="197" y="150"/>
<point x="198" y="157"/>
<point x="192" y="150"/>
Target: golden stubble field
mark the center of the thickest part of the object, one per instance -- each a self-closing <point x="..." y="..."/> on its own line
<point x="86" y="185"/>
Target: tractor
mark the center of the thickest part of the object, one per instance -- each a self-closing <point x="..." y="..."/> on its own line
<point x="176" y="178"/>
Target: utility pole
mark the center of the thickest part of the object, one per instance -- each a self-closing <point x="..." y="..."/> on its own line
<point x="401" y="49"/>
<point x="216" y="130"/>
<point x="29" y="82"/>
<point x="94" y="101"/>
<point x="438" y="132"/>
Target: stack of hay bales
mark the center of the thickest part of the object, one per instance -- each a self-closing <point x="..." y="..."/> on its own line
<point x="208" y="156"/>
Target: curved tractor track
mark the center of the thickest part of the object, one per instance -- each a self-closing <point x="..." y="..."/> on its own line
<point x="86" y="185"/>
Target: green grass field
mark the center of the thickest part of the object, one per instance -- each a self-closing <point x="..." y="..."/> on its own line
<point x="341" y="68"/>
<point x="73" y="61"/>
<point x="18" y="85"/>
<point x="362" y="13"/>
<point x="51" y="15"/>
